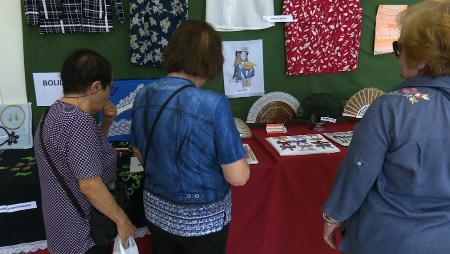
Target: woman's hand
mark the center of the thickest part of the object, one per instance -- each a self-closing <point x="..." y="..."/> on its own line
<point x="125" y="229"/>
<point x="329" y="233"/>
<point x="109" y="112"/>
<point x="95" y="190"/>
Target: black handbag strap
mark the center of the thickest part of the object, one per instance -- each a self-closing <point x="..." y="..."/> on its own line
<point x="150" y="131"/>
<point x="57" y="174"/>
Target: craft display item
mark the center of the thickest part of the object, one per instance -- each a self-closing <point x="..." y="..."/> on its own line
<point x="243" y="68"/>
<point x="243" y="129"/>
<point x="274" y="107"/>
<point x="275" y="128"/>
<point x="302" y="145"/>
<point x="251" y="157"/>
<point x="15" y="126"/>
<point x="320" y="108"/>
<point x="358" y="104"/>
<point x="342" y="138"/>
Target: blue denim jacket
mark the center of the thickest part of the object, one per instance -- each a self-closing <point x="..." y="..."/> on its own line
<point x="193" y="137"/>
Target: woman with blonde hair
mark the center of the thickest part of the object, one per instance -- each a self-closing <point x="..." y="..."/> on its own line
<point x="392" y="191"/>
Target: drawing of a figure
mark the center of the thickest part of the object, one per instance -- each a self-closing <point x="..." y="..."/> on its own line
<point x="243" y="69"/>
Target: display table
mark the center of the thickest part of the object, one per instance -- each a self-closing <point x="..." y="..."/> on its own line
<point x="19" y="184"/>
<point x="278" y="211"/>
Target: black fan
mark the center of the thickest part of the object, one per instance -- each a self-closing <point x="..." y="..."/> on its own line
<point x="318" y="105"/>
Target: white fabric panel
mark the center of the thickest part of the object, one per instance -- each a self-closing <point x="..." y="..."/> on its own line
<point x="238" y="15"/>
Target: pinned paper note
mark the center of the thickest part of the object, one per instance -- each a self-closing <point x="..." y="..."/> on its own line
<point x="135" y="165"/>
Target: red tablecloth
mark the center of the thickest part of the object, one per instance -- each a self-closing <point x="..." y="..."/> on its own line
<point x="279" y="210"/>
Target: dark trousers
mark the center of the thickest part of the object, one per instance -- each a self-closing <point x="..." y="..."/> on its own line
<point x="166" y="243"/>
<point x="100" y="250"/>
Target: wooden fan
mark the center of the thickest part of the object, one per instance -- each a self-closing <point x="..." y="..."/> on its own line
<point x="243" y="128"/>
<point x="358" y="104"/>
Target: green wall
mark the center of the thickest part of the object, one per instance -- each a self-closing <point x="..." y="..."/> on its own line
<point x="45" y="53"/>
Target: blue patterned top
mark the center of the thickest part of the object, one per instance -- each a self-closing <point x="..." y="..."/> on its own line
<point x="187" y="220"/>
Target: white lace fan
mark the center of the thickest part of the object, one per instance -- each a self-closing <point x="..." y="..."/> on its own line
<point x="358" y="104"/>
<point x="273" y="107"/>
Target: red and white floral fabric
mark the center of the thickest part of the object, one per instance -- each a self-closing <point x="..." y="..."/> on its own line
<point x="324" y="37"/>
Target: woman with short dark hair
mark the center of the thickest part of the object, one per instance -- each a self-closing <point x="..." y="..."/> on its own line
<point x="78" y="148"/>
<point x="191" y="150"/>
<point x="392" y="191"/>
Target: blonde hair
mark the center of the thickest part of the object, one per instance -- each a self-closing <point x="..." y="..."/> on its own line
<point x="425" y="36"/>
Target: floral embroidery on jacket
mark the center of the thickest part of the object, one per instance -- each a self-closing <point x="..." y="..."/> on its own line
<point x="413" y="95"/>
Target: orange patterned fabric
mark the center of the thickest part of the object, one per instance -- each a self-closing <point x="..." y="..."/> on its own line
<point x="387" y="28"/>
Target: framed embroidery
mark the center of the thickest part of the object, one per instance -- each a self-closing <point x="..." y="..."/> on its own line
<point x="302" y="145"/>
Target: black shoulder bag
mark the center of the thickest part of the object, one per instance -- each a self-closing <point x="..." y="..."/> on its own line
<point x="102" y="229"/>
<point x="150" y="131"/>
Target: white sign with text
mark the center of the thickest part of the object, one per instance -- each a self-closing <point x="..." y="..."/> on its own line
<point x="48" y="88"/>
<point x="18" y="207"/>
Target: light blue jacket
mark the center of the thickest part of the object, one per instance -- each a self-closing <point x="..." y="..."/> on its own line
<point x="393" y="187"/>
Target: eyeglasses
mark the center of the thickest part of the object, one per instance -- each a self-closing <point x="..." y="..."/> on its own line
<point x="396" y="48"/>
<point x="112" y="89"/>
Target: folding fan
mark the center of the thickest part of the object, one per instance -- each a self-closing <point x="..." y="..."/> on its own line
<point x="358" y="104"/>
<point x="243" y="129"/>
<point x="318" y="105"/>
<point x="274" y="107"/>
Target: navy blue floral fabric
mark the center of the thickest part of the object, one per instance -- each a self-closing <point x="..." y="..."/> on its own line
<point x="152" y="22"/>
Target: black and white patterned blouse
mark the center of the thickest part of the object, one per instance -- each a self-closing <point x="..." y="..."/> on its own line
<point x="79" y="151"/>
<point x="70" y="16"/>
